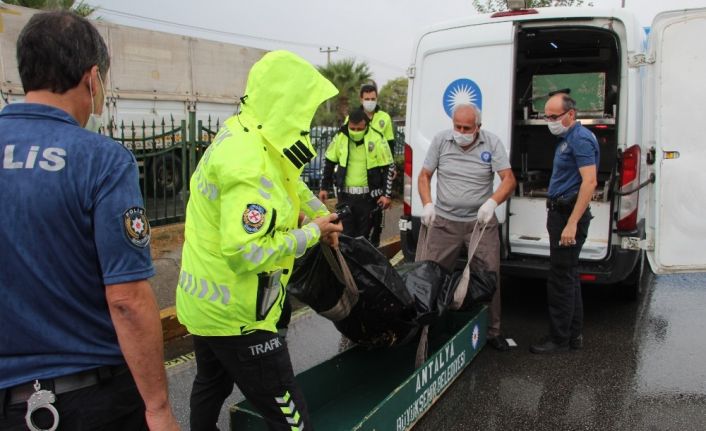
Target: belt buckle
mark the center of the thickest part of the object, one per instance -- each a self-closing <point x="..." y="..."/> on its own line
<point x="356" y="190"/>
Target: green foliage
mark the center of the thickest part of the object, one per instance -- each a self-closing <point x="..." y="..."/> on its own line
<point x="393" y="97"/>
<point x="325" y="116"/>
<point x="84" y="9"/>
<point x="489" y="6"/>
<point x="34" y="4"/>
<point x="81" y="8"/>
<point x="347" y="76"/>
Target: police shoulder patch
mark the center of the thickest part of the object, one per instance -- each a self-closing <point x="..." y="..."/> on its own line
<point x="253" y="218"/>
<point x="136" y="226"/>
<point x="382" y="123"/>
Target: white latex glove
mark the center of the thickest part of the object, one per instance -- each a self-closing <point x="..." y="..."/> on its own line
<point x="486" y="211"/>
<point x="428" y="214"/>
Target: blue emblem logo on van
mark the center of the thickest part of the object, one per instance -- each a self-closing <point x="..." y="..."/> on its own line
<point x="459" y="92"/>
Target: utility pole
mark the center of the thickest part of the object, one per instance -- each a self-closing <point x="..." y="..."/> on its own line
<point x="328" y="52"/>
<point x="623" y="4"/>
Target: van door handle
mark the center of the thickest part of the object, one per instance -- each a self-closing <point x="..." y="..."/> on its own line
<point x="650" y="156"/>
<point x="652" y="178"/>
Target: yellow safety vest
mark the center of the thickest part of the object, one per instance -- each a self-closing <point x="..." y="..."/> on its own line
<point x="357" y="172"/>
<point x="377" y="154"/>
<point x="382" y="122"/>
<point x="246" y="195"/>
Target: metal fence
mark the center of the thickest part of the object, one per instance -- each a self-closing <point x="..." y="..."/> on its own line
<point x="167" y="154"/>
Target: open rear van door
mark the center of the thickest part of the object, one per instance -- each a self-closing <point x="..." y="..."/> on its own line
<point x="674" y="116"/>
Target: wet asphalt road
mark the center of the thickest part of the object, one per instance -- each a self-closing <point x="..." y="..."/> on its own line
<point x="643" y="366"/>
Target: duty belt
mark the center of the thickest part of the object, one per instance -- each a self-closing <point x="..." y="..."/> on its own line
<point x="356" y="190"/>
<point x="561" y="204"/>
<point x="60" y="385"/>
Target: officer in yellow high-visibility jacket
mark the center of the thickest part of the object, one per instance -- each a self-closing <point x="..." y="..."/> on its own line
<point x="382" y="122"/>
<point x="241" y="238"/>
<point x="379" y="119"/>
<point x="364" y="175"/>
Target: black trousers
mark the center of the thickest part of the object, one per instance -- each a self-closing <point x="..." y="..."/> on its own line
<point x="259" y="364"/>
<point x="113" y="404"/>
<point x="563" y="284"/>
<point x="377" y="226"/>
<point x="360" y="220"/>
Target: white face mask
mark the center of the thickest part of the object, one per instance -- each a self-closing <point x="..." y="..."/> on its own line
<point x="369" y="105"/>
<point x="556" y="128"/>
<point x="464" y="139"/>
<point x="95" y="121"/>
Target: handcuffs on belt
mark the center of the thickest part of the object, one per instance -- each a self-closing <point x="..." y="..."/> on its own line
<point x="41" y="399"/>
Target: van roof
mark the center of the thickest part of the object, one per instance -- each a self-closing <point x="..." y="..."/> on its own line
<point x="543" y="13"/>
<point x="634" y="33"/>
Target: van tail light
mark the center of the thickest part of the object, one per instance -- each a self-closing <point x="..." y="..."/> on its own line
<point x="629" y="179"/>
<point x="507" y="13"/>
<point x="407" y="195"/>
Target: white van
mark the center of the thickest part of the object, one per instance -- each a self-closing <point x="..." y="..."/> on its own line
<point x="643" y="97"/>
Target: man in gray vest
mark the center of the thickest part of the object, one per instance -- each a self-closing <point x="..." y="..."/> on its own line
<point x="466" y="160"/>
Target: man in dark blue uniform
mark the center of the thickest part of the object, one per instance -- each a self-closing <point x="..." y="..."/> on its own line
<point x="81" y="341"/>
<point x="570" y="191"/>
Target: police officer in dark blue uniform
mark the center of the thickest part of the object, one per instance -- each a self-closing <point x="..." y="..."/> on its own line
<point x="570" y="191"/>
<point x="81" y="341"/>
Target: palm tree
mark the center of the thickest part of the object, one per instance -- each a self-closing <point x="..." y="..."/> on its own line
<point x="81" y="8"/>
<point x="347" y="76"/>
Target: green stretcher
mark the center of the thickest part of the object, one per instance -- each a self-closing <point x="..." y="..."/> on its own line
<point x="379" y="390"/>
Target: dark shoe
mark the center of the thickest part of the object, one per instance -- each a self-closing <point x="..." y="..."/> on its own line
<point x="548" y="346"/>
<point x="498" y="343"/>
<point x="576" y="343"/>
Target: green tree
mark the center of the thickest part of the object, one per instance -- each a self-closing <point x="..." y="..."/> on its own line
<point x="81" y="8"/>
<point x="347" y="75"/>
<point x="488" y="6"/>
<point x="393" y="97"/>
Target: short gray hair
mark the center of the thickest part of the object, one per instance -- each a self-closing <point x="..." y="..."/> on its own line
<point x="567" y="102"/>
<point x="479" y="115"/>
